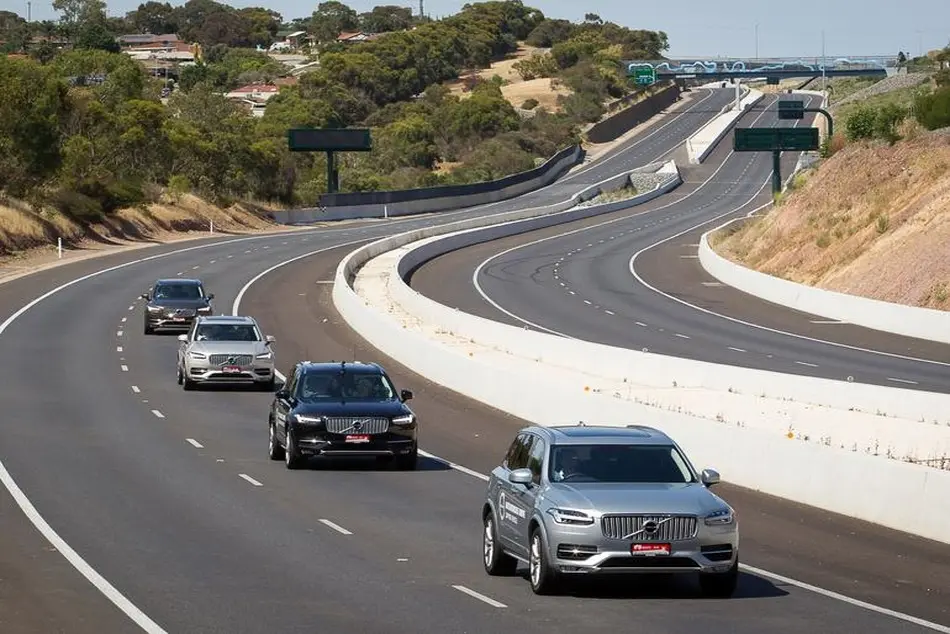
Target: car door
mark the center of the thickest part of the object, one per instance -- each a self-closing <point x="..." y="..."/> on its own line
<point x="513" y="515"/>
<point x="283" y="405"/>
<point x="526" y="496"/>
<point x="183" y="345"/>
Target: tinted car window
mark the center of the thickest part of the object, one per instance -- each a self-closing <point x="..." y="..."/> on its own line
<point x="536" y="459"/>
<point x="226" y="332"/>
<point x="178" y="291"/>
<point x="518" y="457"/>
<point x="647" y="464"/>
<point x="315" y="387"/>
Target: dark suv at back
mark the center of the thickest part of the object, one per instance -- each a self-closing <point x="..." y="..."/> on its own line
<point x="342" y="409"/>
<point x="174" y="303"/>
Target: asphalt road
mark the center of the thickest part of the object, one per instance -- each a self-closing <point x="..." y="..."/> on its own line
<point x="89" y="456"/>
<point x="170" y="496"/>
<point x="633" y="280"/>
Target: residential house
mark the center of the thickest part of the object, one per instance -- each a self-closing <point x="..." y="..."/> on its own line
<point x="254" y="97"/>
<point x="355" y="37"/>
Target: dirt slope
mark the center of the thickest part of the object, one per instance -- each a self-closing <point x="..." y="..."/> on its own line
<point x="874" y="221"/>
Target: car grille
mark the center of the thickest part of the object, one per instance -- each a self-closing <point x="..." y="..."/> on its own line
<point x="222" y="359"/>
<point x="368" y="425"/>
<point x="670" y="528"/>
<point x="180" y="312"/>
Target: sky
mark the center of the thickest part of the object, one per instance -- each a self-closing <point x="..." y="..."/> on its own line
<point x="697" y="28"/>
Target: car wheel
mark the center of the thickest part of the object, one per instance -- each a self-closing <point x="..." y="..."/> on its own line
<point x="544" y="580"/>
<point x="179" y="377"/>
<point x="410" y="461"/>
<point x="147" y="329"/>
<point x="274" y="450"/>
<point x="292" y="457"/>
<point x="497" y="562"/>
<point x="188" y="384"/>
<point x="267" y="386"/>
<point x="720" y="585"/>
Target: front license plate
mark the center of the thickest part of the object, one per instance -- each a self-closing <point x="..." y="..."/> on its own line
<point x="178" y="319"/>
<point x="649" y="550"/>
<point x="357" y="438"/>
<point x="231" y="369"/>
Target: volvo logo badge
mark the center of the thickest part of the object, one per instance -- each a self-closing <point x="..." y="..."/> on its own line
<point x="650" y="527"/>
<point x="358" y="425"/>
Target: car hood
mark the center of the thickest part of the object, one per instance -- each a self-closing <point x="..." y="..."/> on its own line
<point x="179" y="303"/>
<point x="646" y="499"/>
<point x="229" y="347"/>
<point x="354" y="408"/>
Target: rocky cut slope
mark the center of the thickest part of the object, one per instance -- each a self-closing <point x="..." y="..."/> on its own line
<point x="874" y="221"/>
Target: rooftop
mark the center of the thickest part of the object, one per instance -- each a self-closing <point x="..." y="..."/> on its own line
<point x="357" y="367"/>
<point x="178" y="280"/>
<point x="226" y="319"/>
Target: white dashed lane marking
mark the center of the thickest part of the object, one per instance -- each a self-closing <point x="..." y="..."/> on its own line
<point x="248" y="478"/>
<point x="158" y="414"/>
<point x="335" y="527"/>
<point x="118" y="348"/>
<point x="682" y="336"/>
<point x="135" y="389"/>
<point x="125" y="368"/>
<point x="194" y="443"/>
<point x="737" y="349"/>
<point x="810" y="365"/>
<point x="118" y="333"/>
<point x="481" y="597"/>
<point x="890" y="378"/>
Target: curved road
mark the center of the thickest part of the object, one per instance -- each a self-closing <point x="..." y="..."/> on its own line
<point x="632" y="280"/>
<point x="171" y="498"/>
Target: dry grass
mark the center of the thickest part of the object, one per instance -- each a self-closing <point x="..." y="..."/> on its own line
<point x="515" y="89"/>
<point x="873" y="221"/>
<point x="28" y="237"/>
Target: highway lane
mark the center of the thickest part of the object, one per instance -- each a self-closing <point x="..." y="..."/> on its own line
<point x="67" y="468"/>
<point x="579" y="282"/>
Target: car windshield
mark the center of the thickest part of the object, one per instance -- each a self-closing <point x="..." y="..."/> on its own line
<point x="178" y="291"/>
<point x="646" y="464"/>
<point x="351" y="386"/>
<point x="226" y="332"/>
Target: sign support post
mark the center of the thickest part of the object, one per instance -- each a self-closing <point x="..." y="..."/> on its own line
<point x="331" y="141"/>
<point x="776" y="141"/>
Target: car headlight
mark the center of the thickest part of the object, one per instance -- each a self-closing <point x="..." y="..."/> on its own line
<point x="200" y="356"/>
<point x="722" y="517"/>
<point x="407" y="419"/>
<point x="266" y="355"/>
<point x="204" y="309"/>
<point x="567" y="516"/>
<point x="310" y="420"/>
<point x="154" y="309"/>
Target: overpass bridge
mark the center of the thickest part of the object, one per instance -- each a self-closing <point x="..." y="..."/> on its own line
<point x="646" y="72"/>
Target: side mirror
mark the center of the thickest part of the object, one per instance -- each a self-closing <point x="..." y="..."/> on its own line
<point x="406" y="395"/>
<point x="145" y="296"/>
<point x="521" y="476"/>
<point x="210" y="296"/>
<point x="269" y="339"/>
<point x="710" y="477"/>
<point x="183" y="338"/>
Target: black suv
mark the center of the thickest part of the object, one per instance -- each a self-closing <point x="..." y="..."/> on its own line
<point x="342" y="409"/>
<point x="174" y="303"/>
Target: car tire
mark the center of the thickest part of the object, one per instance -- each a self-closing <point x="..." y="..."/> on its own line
<point x="267" y="386"/>
<point x="148" y="330"/>
<point x="497" y="562"/>
<point x="188" y="384"/>
<point x="292" y="457"/>
<point x="544" y="580"/>
<point x="274" y="450"/>
<point x="720" y="585"/>
<point x="179" y="376"/>
<point x="410" y="461"/>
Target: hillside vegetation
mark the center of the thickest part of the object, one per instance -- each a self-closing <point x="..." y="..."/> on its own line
<point x="87" y="134"/>
<point x="873" y="219"/>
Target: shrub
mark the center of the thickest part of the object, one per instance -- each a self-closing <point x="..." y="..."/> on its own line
<point x="529" y="104"/>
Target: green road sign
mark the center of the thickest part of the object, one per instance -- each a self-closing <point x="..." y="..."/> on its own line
<point x="791" y="109"/>
<point x="329" y="140"/>
<point x="775" y="140"/>
<point x="644" y="75"/>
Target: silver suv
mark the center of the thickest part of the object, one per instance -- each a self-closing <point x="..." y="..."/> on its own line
<point x="222" y="349"/>
<point x="598" y="500"/>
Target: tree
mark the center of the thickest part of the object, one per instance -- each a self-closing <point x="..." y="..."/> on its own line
<point x="76" y="13"/>
<point x="153" y="17"/>
<point x="385" y="19"/>
<point x="332" y="18"/>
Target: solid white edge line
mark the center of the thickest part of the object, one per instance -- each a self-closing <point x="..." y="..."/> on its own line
<point x="846" y="599"/>
<point x="248" y="478"/>
<point x="194" y="443"/>
<point x="64" y="549"/>
<point x="335" y="527"/>
<point x="477" y="272"/>
<point x="481" y="597"/>
<point x="158" y="414"/>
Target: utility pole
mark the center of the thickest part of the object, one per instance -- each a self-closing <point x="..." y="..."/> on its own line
<point x="29" y="11"/>
<point x="422" y="12"/>
<point x="757" y="41"/>
<point x="824" y="62"/>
